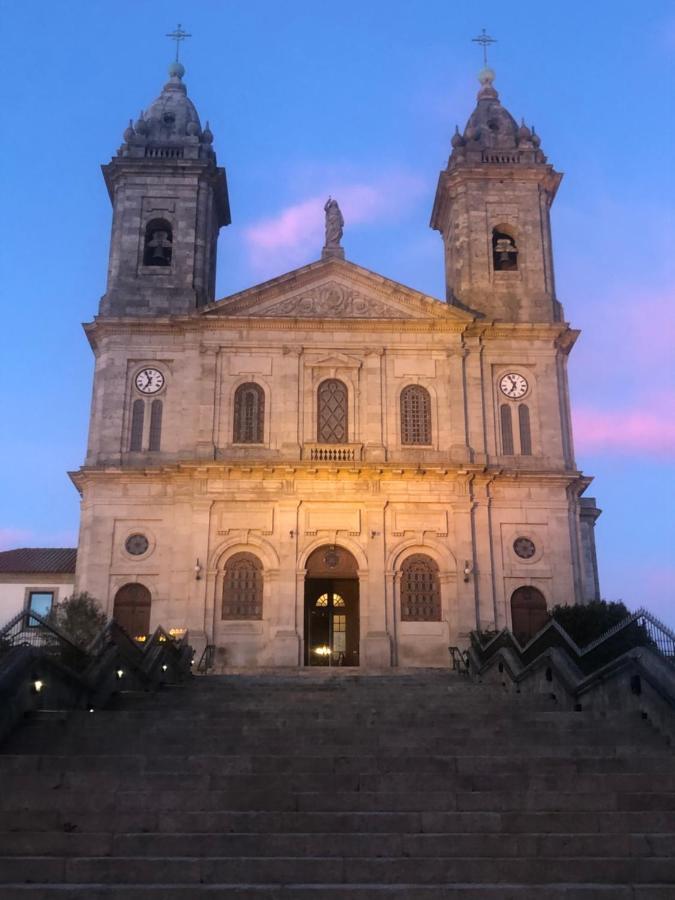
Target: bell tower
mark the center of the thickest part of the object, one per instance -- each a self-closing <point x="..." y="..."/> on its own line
<point x="169" y="201"/>
<point x="492" y="210"/>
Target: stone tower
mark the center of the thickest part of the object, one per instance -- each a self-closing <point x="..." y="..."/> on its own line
<point x="169" y="201"/>
<point x="492" y="209"/>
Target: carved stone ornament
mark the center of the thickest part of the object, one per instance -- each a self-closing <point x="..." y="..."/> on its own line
<point x="334" y="301"/>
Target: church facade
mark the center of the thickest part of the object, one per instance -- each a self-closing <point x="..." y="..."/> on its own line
<point x="331" y="468"/>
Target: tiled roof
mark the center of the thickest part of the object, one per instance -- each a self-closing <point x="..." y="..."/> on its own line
<point x="38" y="559"/>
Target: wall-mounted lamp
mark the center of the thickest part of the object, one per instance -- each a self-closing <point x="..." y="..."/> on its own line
<point x="468" y="568"/>
<point x="38" y="685"/>
<point x="198" y="570"/>
<point x="120" y="674"/>
<point x="374" y="534"/>
<point x="291" y="534"/>
<point x="164" y="667"/>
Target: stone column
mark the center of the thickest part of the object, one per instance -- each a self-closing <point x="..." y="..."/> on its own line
<point x="459" y="445"/>
<point x="373" y="402"/>
<point x="376" y="646"/>
<point x="474" y="400"/>
<point x="285" y="641"/>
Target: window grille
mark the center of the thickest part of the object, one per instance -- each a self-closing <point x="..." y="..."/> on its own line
<point x="137" y="415"/>
<point x="524" y="428"/>
<point x="420" y="590"/>
<point x="507" y="430"/>
<point x="242" y="588"/>
<point x="415" y="415"/>
<point x="155" y="425"/>
<point x="249" y="414"/>
<point x="332" y="412"/>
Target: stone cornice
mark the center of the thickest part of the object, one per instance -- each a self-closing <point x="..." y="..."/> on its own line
<point x="559" y="334"/>
<point x="327" y="472"/>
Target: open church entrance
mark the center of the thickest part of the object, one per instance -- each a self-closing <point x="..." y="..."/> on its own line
<point x="331" y="608"/>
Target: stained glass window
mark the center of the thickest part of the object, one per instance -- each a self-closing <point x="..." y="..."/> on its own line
<point x="415" y="415"/>
<point x="243" y="587"/>
<point x="420" y="590"/>
<point x="249" y="414"/>
<point x="332" y="412"/>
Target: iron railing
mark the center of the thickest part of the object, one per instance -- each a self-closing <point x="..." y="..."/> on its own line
<point x="640" y="629"/>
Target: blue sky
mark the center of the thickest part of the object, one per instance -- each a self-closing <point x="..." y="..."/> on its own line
<point x="357" y="99"/>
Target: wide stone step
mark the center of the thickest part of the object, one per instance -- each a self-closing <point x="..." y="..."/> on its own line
<point x="544" y="891"/>
<point x="334" y="844"/>
<point x="219" y="822"/>
<point x="348" y="800"/>
<point x="337" y="870"/>
<point x="344" y="780"/>
<point x="660" y="767"/>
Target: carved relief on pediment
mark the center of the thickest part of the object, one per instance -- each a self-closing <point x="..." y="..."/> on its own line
<point x="334" y="301"/>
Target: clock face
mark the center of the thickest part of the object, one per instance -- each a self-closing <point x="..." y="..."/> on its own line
<point x="524" y="548"/>
<point x="149" y="381"/>
<point x="513" y="385"/>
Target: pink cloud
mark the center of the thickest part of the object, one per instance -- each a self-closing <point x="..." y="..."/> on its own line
<point x="294" y="236"/>
<point x="11" y="538"/>
<point x="645" y="431"/>
<point x="14" y="537"/>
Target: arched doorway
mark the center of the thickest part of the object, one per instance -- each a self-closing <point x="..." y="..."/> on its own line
<point x="131" y="609"/>
<point x="331" y="608"/>
<point x="528" y="613"/>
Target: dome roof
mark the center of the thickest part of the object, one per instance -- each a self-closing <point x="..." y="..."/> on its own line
<point x="492" y="135"/>
<point x="169" y="128"/>
<point x="490" y="125"/>
<point x="172" y="116"/>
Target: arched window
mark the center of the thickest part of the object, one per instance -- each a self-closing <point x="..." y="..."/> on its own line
<point x="504" y="251"/>
<point x="332" y="412"/>
<point x="131" y="609"/>
<point x="420" y="590"/>
<point x="507" y="429"/>
<point x="155" y="437"/>
<point x="524" y="429"/>
<point x="249" y="414"/>
<point x="137" y="416"/>
<point x="243" y="587"/>
<point x="158" y="249"/>
<point x="415" y="415"/>
<point x="528" y="613"/>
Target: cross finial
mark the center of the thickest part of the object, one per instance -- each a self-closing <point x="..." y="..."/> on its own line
<point x="484" y="40"/>
<point x="178" y="35"/>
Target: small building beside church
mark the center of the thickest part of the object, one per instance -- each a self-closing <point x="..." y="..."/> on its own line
<point x="331" y="468"/>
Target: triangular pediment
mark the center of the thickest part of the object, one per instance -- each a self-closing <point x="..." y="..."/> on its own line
<point x="333" y="289"/>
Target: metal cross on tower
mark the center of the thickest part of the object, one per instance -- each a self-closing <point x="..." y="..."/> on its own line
<point x="178" y="35"/>
<point x="484" y="39"/>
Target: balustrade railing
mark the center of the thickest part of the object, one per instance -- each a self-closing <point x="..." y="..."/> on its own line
<point x="334" y="453"/>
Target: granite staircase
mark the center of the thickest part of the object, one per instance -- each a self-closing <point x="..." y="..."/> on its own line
<point x="319" y="784"/>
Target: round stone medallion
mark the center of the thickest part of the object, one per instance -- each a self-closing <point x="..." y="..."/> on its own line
<point x="524" y="548"/>
<point x="136" y="544"/>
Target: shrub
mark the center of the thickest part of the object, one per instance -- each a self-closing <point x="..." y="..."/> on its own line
<point x="80" y="617"/>
<point x="584" y="622"/>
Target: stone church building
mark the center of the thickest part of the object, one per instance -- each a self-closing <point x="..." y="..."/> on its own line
<point x="331" y="468"/>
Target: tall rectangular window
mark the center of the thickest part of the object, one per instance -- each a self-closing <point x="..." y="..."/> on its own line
<point x="137" y="416"/>
<point x="524" y="428"/>
<point x="40" y="602"/>
<point x="155" y="437"/>
<point x="507" y="430"/>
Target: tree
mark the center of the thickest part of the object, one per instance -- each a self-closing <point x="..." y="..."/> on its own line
<point x="80" y="617"/>
<point x="584" y="622"/>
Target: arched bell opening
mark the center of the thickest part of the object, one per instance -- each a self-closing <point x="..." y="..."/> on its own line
<point x="331" y="608"/>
